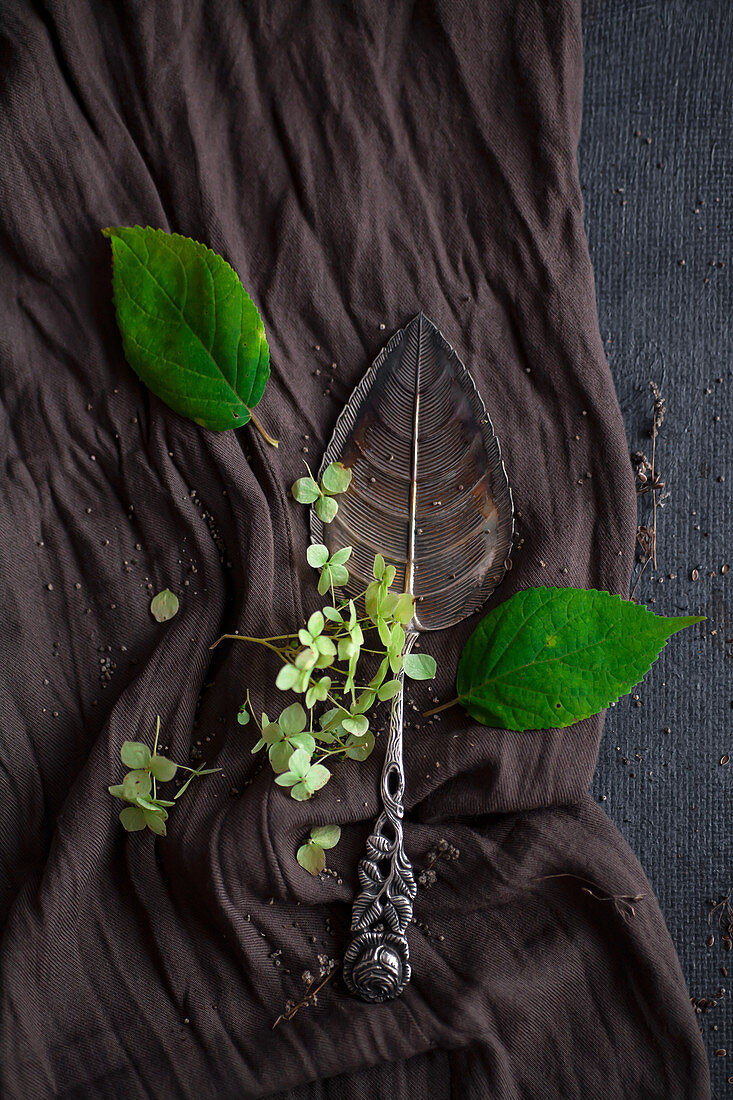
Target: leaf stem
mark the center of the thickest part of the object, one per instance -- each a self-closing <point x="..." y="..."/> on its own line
<point x="263" y="431"/>
<point x="443" y="706"/>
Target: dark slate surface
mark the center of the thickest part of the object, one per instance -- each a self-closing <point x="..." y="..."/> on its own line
<point x="655" y="163"/>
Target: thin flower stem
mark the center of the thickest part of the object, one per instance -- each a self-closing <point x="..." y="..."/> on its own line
<point x="257" y="641"/>
<point x="250" y="708"/>
<point x="330" y="752"/>
<point x="155" y="749"/>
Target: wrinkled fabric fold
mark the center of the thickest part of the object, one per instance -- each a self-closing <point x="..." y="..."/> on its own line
<point x="355" y="164"/>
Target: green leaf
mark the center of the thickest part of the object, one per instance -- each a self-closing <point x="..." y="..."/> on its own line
<point x="389" y="689"/>
<point x="420" y="666"/>
<point x="164" y="606"/>
<point x="332" y="614"/>
<point x="312" y="858"/>
<point x="300" y="792"/>
<point x="133" y="819"/>
<point x="548" y="657"/>
<point x="326" y="509"/>
<point x="162" y="768"/>
<point x="117" y="791"/>
<point x="324" y="581"/>
<point x="136" y="783"/>
<point x="327" y="836"/>
<point x="336" y="478"/>
<point x="292" y="720"/>
<point x="317" y="555"/>
<point x="135" y="754"/>
<point x="243" y="715"/>
<point x="189" y="330"/>
<point x="305" y="490"/>
<point x="378" y="569"/>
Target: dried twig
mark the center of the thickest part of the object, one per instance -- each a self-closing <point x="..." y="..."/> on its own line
<point x="648" y="480"/>
<point x="442" y="850"/>
<point x="724" y="911"/>
<point x="311" y="993"/>
<point x="624" y="904"/>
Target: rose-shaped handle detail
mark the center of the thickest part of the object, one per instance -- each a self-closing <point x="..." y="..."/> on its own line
<point x="377" y="966"/>
<point x="377" y="962"/>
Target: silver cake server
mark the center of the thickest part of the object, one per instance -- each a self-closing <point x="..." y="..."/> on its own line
<point x="430" y="493"/>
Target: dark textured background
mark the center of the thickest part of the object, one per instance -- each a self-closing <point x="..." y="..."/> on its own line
<point x="655" y="164"/>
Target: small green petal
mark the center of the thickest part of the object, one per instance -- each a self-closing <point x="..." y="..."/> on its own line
<point x="312" y="858"/>
<point x="132" y="819"/>
<point x="135" y="754"/>
<point x="336" y="478"/>
<point x="305" y="490"/>
<point x="327" y="836"/>
<point x="326" y="509"/>
<point x="287" y="677"/>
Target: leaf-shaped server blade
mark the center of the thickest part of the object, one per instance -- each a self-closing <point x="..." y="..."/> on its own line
<point x="429" y="490"/>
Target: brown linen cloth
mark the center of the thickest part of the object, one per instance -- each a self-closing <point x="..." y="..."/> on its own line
<point x="355" y="162"/>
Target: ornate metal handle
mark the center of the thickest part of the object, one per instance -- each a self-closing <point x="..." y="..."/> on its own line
<point x="377" y="961"/>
